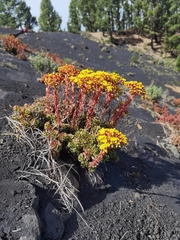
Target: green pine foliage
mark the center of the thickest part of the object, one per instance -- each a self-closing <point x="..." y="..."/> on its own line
<point x="49" y="20"/>
<point x="87" y="13"/>
<point x="15" y="12"/>
<point x="73" y="23"/>
<point x="159" y="19"/>
<point x="178" y="63"/>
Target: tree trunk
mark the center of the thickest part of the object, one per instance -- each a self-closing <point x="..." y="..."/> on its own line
<point x="111" y="37"/>
<point x="152" y="47"/>
<point x="156" y="39"/>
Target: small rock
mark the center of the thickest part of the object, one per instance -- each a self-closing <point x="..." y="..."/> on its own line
<point x="137" y="195"/>
<point x="32" y="227"/>
<point x="73" y="47"/>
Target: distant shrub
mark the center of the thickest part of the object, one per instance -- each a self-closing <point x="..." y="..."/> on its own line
<point x="67" y="60"/>
<point x="130" y="74"/>
<point x="176" y="102"/>
<point x="165" y="116"/>
<point x="14" y="46"/>
<point x="145" y="46"/>
<point x="104" y="49"/>
<point x="174" y="41"/>
<point x="154" y="92"/>
<point x="134" y="58"/>
<point x="176" y="141"/>
<point x="46" y="62"/>
<point x="173" y="120"/>
<point x="178" y="49"/>
<point x="159" y="62"/>
<point x="118" y="64"/>
<point x="178" y="63"/>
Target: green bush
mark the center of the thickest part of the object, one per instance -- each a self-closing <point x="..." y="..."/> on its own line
<point x="45" y="63"/>
<point x="178" y="63"/>
<point x="178" y="49"/>
<point x="104" y="49"/>
<point x="154" y="92"/>
<point x="67" y="60"/>
<point x="133" y="60"/>
<point x="130" y="74"/>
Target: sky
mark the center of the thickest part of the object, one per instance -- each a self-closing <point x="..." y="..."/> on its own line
<point x="61" y="6"/>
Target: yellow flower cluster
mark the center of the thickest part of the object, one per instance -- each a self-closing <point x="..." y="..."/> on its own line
<point x="55" y="79"/>
<point x="52" y="79"/>
<point x="68" y="70"/>
<point x="136" y="88"/>
<point x="110" y="138"/>
<point x="90" y="80"/>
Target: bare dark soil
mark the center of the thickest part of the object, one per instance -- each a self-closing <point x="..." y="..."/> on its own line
<point x="137" y="198"/>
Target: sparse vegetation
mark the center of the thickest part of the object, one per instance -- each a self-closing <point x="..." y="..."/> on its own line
<point x="173" y="121"/>
<point x="134" y="59"/>
<point x="104" y="49"/>
<point x="118" y="64"/>
<point x="46" y="62"/>
<point x="130" y="74"/>
<point x="154" y="92"/>
<point x="14" y="46"/>
<point x="178" y="63"/>
<point x="67" y="60"/>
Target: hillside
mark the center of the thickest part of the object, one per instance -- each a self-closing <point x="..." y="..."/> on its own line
<point x="135" y="198"/>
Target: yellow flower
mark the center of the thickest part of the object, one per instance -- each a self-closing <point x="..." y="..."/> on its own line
<point x="90" y="80"/>
<point x="136" y="88"/>
<point x="110" y="138"/>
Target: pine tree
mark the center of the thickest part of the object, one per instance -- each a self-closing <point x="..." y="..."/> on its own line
<point x="172" y="27"/>
<point x="23" y="14"/>
<point x="6" y="17"/>
<point x="74" y="22"/>
<point x="102" y="17"/>
<point x="105" y="21"/>
<point x="117" y="11"/>
<point x="49" y="20"/>
<point x="127" y="15"/>
<point x="15" y="12"/>
<point x="155" y="14"/>
<point x="87" y="11"/>
<point x="137" y="17"/>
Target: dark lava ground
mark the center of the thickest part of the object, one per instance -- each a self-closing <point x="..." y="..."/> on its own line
<point x="138" y="198"/>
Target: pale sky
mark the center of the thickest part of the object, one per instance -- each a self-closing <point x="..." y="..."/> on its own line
<point x="61" y="6"/>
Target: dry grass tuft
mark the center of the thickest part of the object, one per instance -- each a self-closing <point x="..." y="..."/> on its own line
<point x="46" y="170"/>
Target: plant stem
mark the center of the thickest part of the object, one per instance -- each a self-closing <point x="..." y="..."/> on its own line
<point x="113" y="121"/>
<point x="56" y="105"/>
<point x="91" y="106"/>
<point x="109" y="97"/>
<point x="79" y="99"/>
<point x="96" y="161"/>
<point x="47" y="99"/>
